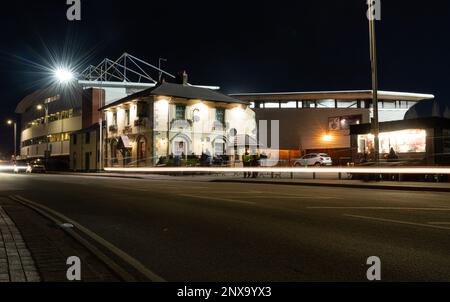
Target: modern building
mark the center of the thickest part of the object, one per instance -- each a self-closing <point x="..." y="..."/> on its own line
<point x="176" y="124"/>
<point x="50" y="115"/>
<point x="422" y="141"/>
<point x="320" y="121"/>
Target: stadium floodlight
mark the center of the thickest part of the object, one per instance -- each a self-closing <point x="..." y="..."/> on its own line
<point x="63" y="75"/>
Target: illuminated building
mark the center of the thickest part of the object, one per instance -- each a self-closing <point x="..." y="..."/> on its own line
<point x="422" y="141"/>
<point x="316" y="122"/>
<point x="50" y="115"/>
<point x="175" y="124"/>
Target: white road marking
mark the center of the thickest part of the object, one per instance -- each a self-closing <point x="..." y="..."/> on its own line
<point x="379" y="208"/>
<point x="398" y="222"/>
<point x="217" y="198"/>
<point x="440" y="223"/>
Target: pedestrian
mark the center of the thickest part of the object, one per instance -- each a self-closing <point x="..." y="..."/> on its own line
<point x="255" y="163"/>
<point x="246" y="161"/>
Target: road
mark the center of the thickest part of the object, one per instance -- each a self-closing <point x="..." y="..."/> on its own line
<point x="204" y="231"/>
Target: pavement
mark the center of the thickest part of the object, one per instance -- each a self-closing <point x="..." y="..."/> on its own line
<point x="32" y="249"/>
<point x="16" y="263"/>
<point x="194" y="229"/>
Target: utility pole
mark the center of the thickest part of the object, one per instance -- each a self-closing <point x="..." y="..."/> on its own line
<point x="373" y="59"/>
<point x="14" y="124"/>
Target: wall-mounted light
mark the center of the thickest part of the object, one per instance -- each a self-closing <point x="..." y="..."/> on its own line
<point x="327" y="138"/>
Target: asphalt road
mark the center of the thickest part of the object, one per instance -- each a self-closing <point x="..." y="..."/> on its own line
<point x="202" y="231"/>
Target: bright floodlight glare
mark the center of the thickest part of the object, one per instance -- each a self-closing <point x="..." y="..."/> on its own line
<point x="63" y="75"/>
<point x="9" y="122"/>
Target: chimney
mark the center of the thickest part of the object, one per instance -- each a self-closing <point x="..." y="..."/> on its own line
<point x="182" y="78"/>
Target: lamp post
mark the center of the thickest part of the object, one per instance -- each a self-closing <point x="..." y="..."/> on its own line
<point x="373" y="59"/>
<point x="14" y="123"/>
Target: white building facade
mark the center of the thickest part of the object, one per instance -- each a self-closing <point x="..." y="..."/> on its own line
<point x="176" y="124"/>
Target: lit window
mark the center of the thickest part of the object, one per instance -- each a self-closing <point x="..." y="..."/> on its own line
<point x="180" y="112"/>
<point x="220" y="115"/>
<point x="403" y="141"/>
<point x="326" y="104"/>
<point x="272" y="105"/>
<point x="289" y="105"/>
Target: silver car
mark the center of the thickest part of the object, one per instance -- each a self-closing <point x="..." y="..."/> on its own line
<point x="314" y="159"/>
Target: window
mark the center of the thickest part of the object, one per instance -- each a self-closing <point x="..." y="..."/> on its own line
<point x="180" y="112"/>
<point x="127" y="117"/>
<point x="142" y="109"/>
<point x="272" y="105"/>
<point x="347" y="104"/>
<point x="88" y="138"/>
<point x="114" y="119"/>
<point x="326" y="104"/>
<point x="289" y="105"/>
<point x="220" y="115"/>
<point x="403" y="141"/>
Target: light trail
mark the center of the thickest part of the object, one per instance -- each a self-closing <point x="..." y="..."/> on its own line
<point x="12" y="168"/>
<point x="304" y="170"/>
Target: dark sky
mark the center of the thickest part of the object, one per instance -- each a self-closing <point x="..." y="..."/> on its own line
<point x="242" y="46"/>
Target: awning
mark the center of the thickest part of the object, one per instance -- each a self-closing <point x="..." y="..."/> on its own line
<point x="124" y="142"/>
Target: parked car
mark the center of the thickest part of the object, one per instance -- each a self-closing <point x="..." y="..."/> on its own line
<point x="36" y="168"/>
<point x="314" y="159"/>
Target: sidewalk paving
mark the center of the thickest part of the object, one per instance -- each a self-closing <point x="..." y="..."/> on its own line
<point x="16" y="263"/>
<point x="37" y="250"/>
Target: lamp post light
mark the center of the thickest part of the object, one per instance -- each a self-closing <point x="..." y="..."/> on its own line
<point x="63" y="75"/>
<point x="14" y="123"/>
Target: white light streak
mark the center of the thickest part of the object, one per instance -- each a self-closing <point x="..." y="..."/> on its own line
<point x="11" y="168"/>
<point x="306" y="170"/>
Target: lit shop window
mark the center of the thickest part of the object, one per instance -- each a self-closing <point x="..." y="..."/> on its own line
<point x="272" y="105"/>
<point x="289" y="105"/>
<point x="404" y="141"/>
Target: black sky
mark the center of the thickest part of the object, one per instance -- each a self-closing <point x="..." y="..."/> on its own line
<point x="242" y="46"/>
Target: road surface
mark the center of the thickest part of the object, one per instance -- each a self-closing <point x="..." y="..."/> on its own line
<point x="203" y="231"/>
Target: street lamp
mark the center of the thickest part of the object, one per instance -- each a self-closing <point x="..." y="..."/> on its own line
<point x="373" y="59"/>
<point x="10" y="123"/>
<point x="63" y="75"/>
<point x="41" y="107"/>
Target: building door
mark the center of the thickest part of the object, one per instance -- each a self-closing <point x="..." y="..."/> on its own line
<point x="87" y="161"/>
<point x="141" y="151"/>
<point x="180" y="148"/>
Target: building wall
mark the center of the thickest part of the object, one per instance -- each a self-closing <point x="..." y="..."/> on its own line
<point x="304" y="129"/>
<point x="80" y="149"/>
<point x="162" y="134"/>
<point x="59" y="127"/>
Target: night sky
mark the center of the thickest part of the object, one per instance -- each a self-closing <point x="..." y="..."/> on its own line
<point x="242" y="46"/>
